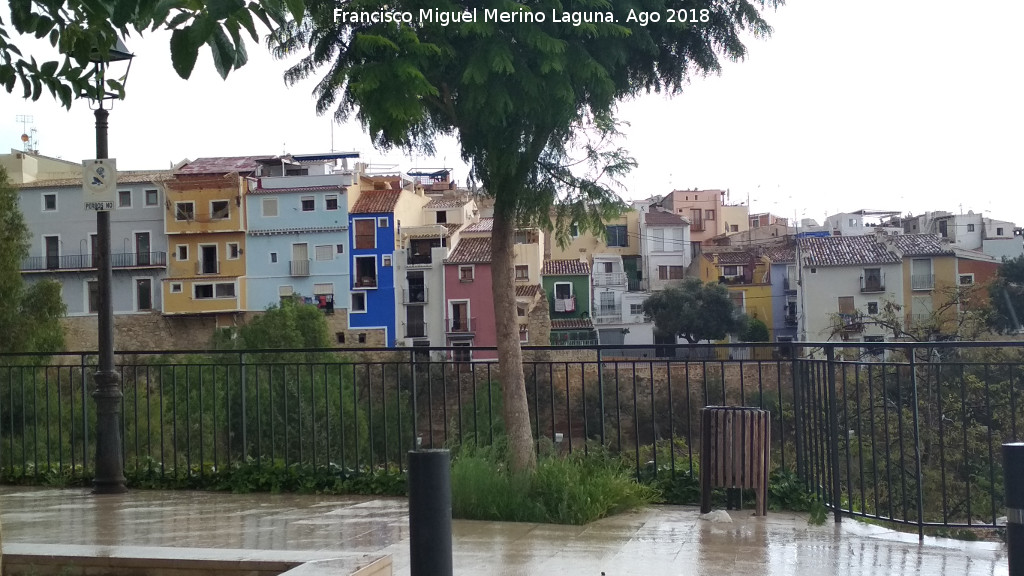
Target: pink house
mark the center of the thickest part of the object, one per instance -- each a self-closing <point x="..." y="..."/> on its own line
<point x="469" y="305"/>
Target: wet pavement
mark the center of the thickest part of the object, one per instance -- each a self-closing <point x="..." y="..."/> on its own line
<point x="340" y="533"/>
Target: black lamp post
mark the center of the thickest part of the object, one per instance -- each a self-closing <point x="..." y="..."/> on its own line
<point x="109" y="477"/>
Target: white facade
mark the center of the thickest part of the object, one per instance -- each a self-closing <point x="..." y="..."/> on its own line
<point x="617" y="314"/>
<point x="825" y="288"/>
<point x="665" y="250"/>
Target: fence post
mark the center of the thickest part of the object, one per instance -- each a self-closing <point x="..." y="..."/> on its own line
<point x="600" y="393"/>
<point x="797" y="419"/>
<point x="245" y="436"/>
<point x="833" y="433"/>
<point x="917" y="446"/>
<point x="430" y="513"/>
<point x="1013" y="471"/>
<point x="415" y="415"/>
<point x="85" y="419"/>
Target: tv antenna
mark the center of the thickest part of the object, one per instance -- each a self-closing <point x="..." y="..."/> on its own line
<point x="28" y="135"/>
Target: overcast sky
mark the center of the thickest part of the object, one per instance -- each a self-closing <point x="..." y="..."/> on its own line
<point x="905" y="105"/>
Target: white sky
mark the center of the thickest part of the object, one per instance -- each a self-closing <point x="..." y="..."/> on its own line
<point x="906" y="105"/>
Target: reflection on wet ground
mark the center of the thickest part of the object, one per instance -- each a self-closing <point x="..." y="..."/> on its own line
<point x="662" y="540"/>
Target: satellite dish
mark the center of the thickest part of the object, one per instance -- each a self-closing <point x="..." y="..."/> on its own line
<point x="24" y="137"/>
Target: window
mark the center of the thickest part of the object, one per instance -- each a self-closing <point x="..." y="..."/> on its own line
<point x="872" y="307"/>
<point x="184" y="211"/>
<point x="143" y="294"/>
<point x="522" y="273"/>
<point x="93" y="296"/>
<point x="202" y="291"/>
<point x="521" y="310"/>
<point x="617" y="236"/>
<point x="846" y="305"/>
<point x="269" y="207"/>
<point x="233" y="250"/>
<point x="226" y="290"/>
<point x="182" y="252"/>
<point x="921" y="274"/>
<point x="273" y="257"/>
<point x="124" y="198"/>
<point x="524" y="335"/>
<point x="382" y="222"/>
<point x="49" y="202"/>
<point x="442" y="217"/>
<point x="970" y="227"/>
<point x="340" y="248"/>
<point x="734" y="228"/>
<point x="999" y="231"/>
<point x="462" y="353"/>
<point x="636" y="309"/>
<point x="361" y="337"/>
<point x="324" y="252"/>
<point x="738" y="300"/>
<point x="466" y="273"/>
<point x="966" y="279"/>
<point x="285" y="291"/>
<point x="219" y="210"/>
<point x="563" y="290"/>
<point x="385" y="261"/>
<point x="340" y="336"/>
<point x="574" y="230"/>
<point x="152" y="197"/>
<point x="308" y="203"/>
<point x="175" y="287"/>
<point x="366" y="236"/>
<point x="522" y="237"/>
<point x="709" y="214"/>
<point x="358" y="302"/>
<point x="364" y="272"/>
<point x="729" y="271"/>
<point x="330" y="202"/>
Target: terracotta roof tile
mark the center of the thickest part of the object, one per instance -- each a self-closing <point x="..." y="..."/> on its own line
<point x="222" y="165"/>
<point x="445" y="203"/>
<point x="920" y="244"/>
<point x="483" y="225"/>
<point x="733" y="257"/>
<point x="125" y="177"/>
<point x="780" y="254"/>
<point x="566" y="268"/>
<point x="572" y="324"/>
<point x="471" y="251"/>
<point x="659" y="218"/>
<point x="846" y="251"/>
<point x="527" y="291"/>
<point x="376" y="202"/>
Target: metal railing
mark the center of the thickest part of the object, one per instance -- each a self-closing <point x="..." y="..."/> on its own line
<point x="636" y="285"/>
<point x="609" y="278"/>
<point x="298" y="267"/>
<point x="88" y="261"/>
<point x="414" y="295"/>
<point x="416" y="329"/>
<point x="205" y="267"/>
<point x="872" y="283"/>
<point x="460" y="325"/>
<point x="898" y="432"/>
<point x="922" y="281"/>
<point x="419" y="259"/>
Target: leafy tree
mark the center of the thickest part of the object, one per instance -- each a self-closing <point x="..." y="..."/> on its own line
<point x="1006" y="293"/>
<point x="695" y="311"/>
<point x="31" y="315"/>
<point x="78" y="29"/>
<point x="755" y="331"/>
<point x="532" y="103"/>
<point x="292" y="324"/>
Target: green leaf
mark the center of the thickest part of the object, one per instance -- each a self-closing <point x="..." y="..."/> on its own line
<point x="163" y="10"/>
<point x="297" y="8"/>
<point x="124" y="12"/>
<point x="221" y="9"/>
<point x="223" y="52"/>
<point x="183" y="52"/>
<point x="178" y="20"/>
<point x="48" y="69"/>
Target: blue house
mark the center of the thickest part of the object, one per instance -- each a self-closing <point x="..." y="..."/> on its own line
<point x="297" y="233"/>
<point x="785" y="309"/>
<point x="380" y="207"/>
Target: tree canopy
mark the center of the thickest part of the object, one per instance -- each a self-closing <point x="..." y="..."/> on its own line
<point x="695" y="311"/>
<point x="30" y="315"/>
<point x="530" y="96"/>
<point x="1006" y="294"/>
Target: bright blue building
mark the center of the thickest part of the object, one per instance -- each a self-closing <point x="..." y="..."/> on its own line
<point x="785" y="309"/>
<point x="297" y="231"/>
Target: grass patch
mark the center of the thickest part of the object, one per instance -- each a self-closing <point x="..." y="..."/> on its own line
<point x="574" y="489"/>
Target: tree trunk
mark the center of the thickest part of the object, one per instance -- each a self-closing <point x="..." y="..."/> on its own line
<point x="522" y="457"/>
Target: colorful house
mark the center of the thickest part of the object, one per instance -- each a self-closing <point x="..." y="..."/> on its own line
<point x="747" y="276"/>
<point x="784" y="278"/>
<point x="665" y="247"/>
<point x="205" y="223"/>
<point x="567" y="285"/>
<point x="297" y="231"/>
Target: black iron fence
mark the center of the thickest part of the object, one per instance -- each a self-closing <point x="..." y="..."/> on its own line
<point x="908" y="433"/>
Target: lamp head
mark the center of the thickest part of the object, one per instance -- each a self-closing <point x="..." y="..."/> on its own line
<point x="117" y="53"/>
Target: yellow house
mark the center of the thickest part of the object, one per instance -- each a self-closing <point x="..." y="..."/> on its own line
<point x="204" y="217"/>
<point x="747" y="276"/>
<point x="622" y="239"/>
<point x="929" y="279"/>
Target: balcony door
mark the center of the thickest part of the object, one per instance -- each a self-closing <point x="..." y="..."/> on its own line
<point x="208" y="258"/>
<point x="52" y="252"/>
<point x="460" y="316"/>
<point x="142" y="248"/>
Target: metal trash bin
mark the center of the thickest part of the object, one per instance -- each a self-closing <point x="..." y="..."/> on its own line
<point x="735" y="450"/>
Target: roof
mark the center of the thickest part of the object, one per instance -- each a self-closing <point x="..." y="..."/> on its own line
<point x="471" y="251"/>
<point x="222" y="165"/>
<point x="445" y="203"/>
<point x="846" y="250"/>
<point x="572" y="324"/>
<point x="975" y="255"/>
<point x="376" y="201"/>
<point x="920" y="245"/>
<point x="125" y="177"/>
<point x="278" y="231"/>
<point x="449" y="229"/>
<point x="566" y="268"/>
<point x="298" y="189"/>
<point x="483" y="225"/>
<point x="528" y="291"/>
<point x="779" y="254"/>
<point x="659" y="218"/>
<point x="732" y="257"/>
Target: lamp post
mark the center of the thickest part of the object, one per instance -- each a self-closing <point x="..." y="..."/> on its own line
<point x="109" y="475"/>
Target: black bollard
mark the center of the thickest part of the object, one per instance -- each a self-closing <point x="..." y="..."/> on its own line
<point x="430" y="513"/>
<point x="1013" y="486"/>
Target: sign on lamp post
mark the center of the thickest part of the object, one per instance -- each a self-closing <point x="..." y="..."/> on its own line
<point x="99" y="183"/>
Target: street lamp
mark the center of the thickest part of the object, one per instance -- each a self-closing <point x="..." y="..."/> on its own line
<point x="109" y="475"/>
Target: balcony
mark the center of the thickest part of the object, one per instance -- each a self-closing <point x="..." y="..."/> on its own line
<point x="298" y="267"/>
<point x="419" y="259"/>
<point x="872" y="284"/>
<point x="731" y="280"/>
<point x="460" y="325"/>
<point x="88" y="261"/>
<point x="365" y="282"/>
<point x="416" y="329"/>
<point x="565" y="305"/>
<point x="607" y="314"/>
<point x="414" y="295"/>
<point x="922" y="281"/>
<point x="851" y="323"/>
<point x="789" y="285"/>
<point x="610" y="279"/>
<point x="637" y="285"/>
<point x="790" y="321"/>
<point x="207" y="267"/>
